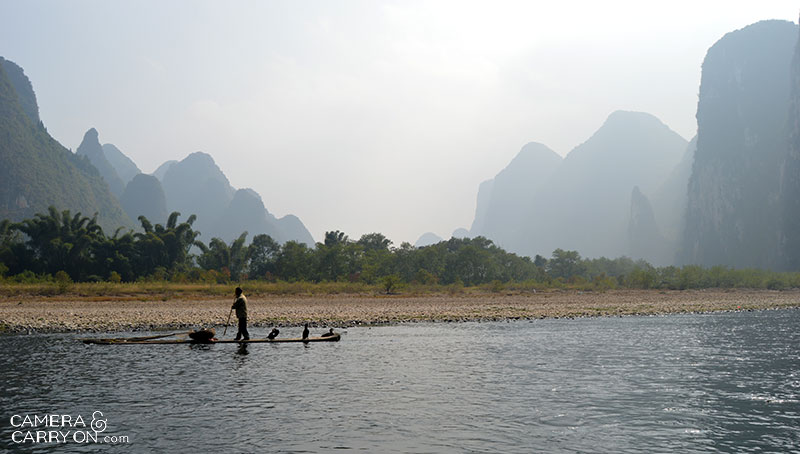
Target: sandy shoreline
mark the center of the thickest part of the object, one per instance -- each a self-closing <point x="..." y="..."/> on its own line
<point x="36" y="314"/>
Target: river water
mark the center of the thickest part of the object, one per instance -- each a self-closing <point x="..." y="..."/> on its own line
<point x="726" y="382"/>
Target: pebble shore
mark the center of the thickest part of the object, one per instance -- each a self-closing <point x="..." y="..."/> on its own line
<point x="32" y="314"/>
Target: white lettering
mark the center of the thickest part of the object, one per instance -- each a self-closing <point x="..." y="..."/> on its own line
<point x="61" y="436"/>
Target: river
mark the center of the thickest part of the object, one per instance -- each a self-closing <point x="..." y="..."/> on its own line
<point x="723" y="382"/>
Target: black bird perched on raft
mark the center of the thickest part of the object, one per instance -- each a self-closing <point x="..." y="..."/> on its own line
<point x="273" y="334"/>
<point x="329" y="333"/>
<point x="305" y="332"/>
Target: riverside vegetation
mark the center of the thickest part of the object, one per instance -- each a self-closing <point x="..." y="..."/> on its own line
<point x="58" y="253"/>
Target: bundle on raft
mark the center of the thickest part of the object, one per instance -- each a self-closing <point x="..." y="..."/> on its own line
<point x="203" y="336"/>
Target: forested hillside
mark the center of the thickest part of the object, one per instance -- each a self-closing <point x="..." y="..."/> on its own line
<point x="37" y="171"/>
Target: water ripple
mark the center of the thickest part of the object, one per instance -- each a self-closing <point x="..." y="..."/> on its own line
<point x="688" y="383"/>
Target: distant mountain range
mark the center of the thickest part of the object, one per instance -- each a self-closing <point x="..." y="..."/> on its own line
<point x="508" y="199"/>
<point x="541" y="202"/>
<point x="428" y="238"/>
<point x="36" y="172"/>
<point x="197" y="185"/>
<point x="729" y="197"/>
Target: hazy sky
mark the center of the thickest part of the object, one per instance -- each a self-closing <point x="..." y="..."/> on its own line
<point x="369" y="115"/>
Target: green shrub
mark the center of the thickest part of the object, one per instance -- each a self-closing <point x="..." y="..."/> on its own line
<point x="390" y="283"/>
<point x="642" y="278"/>
<point x="63" y="281"/>
<point x="425" y="277"/>
<point x="777" y="284"/>
<point x="27" y="277"/>
<point x="456" y="288"/>
<point x="602" y="282"/>
<point x="159" y="274"/>
<point x="179" y="278"/>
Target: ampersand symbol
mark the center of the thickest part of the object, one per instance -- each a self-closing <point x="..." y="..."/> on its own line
<point x="97" y="424"/>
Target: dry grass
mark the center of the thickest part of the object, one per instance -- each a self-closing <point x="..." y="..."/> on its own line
<point x="188" y="290"/>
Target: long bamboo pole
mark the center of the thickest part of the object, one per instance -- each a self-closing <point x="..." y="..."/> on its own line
<point x="225" y="331"/>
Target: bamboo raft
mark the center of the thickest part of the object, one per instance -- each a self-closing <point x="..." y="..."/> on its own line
<point x="161" y="340"/>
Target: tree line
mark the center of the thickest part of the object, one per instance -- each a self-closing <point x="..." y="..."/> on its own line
<point x="74" y="247"/>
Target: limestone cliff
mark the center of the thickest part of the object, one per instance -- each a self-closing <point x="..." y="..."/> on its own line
<point x="91" y="148"/>
<point x="733" y="213"/>
<point x="645" y="239"/>
<point x="790" y="176"/>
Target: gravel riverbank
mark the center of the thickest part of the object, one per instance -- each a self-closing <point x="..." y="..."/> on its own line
<point x="51" y="314"/>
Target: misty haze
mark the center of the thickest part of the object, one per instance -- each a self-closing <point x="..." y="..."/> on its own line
<point x="498" y="182"/>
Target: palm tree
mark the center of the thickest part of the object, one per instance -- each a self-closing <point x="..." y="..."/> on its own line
<point x="167" y="246"/>
<point x="62" y="242"/>
<point x="220" y="256"/>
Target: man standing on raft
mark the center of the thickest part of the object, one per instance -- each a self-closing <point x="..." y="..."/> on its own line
<point x="240" y="304"/>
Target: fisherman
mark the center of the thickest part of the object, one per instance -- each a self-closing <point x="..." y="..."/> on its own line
<point x="329" y="333"/>
<point x="305" y="332"/>
<point x="240" y="304"/>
